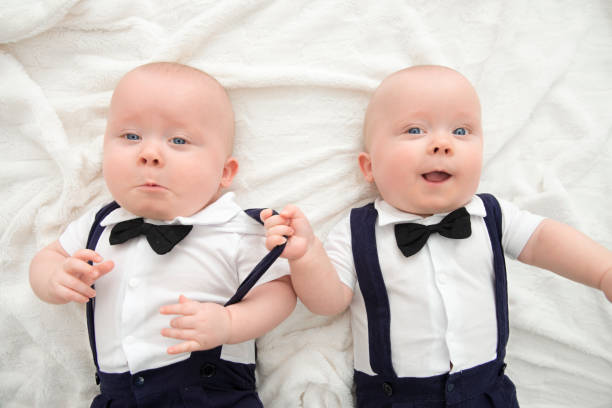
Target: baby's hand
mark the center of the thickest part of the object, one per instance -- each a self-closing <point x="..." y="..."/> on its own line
<point x="290" y="223"/>
<point x="203" y="326"/>
<point x="72" y="280"/>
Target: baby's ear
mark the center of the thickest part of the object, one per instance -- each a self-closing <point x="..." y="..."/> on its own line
<point x="230" y="168"/>
<point x="365" y="164"/>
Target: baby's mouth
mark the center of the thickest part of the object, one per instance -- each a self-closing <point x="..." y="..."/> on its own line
<point x="436" y="176"/>
<point x="150" y="185"/>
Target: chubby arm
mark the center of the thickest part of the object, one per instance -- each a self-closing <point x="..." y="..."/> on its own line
<point x="569" y="253"/>
<point x="264" y="308"/>
<point x="314" y="278"/>
<point x="203" y="326"/>
<point x="56" y="277"/>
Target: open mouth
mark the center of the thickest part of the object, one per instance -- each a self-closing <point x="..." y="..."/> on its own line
<point x="436" y="176"/>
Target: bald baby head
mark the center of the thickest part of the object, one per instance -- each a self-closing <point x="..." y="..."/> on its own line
<point x="216" y="105"/>
<point x="407" y="88"/>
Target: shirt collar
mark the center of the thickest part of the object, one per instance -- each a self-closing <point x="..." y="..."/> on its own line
<point x="219" y="212"/>
<point x="387" y="214"/>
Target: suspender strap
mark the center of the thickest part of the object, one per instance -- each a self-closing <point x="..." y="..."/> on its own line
<point x="96" y="228"/>
<point x="260" y="268"/>
<point x="250" y="281"/>
<point x="493" y="220"/>
<point x="372" y="286"/>
<point x="92" y="241"/>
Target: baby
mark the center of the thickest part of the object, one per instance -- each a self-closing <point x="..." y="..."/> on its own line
<point x="175" y="245"/>
<point x="422" y="268"/>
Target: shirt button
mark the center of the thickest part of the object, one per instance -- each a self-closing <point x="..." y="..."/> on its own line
<point x="450" y="387"/>
<point x="134" y="282"/>
<point x="139" y="381"/>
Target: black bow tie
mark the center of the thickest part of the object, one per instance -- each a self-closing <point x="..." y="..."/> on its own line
<point x="412" y="237"/>
<point x="162" y="238"/>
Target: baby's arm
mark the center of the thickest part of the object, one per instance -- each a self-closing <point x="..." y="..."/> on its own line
<point x="569" y="253"/>
<point x="56" y="277"/>
<point x="203" y="326"/>
<point x="314" y="278"/>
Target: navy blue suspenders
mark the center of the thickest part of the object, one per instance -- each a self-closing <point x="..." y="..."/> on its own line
<point x="92" y="241"/>
<point x="372" y="286"/>
<point x="245" y="286"/>
<point x="493" y="221"/>
<point x="260" y="268"/>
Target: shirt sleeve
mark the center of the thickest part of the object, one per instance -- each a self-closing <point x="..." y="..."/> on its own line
<point x="75" y="236"/>
<point x="517" y="227"/>
<point x="252" y="249"/>
<point x="340" y="251"/>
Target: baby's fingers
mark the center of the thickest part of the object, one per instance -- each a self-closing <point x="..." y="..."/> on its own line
<point x="275" y="220"/>
<point x="274" y="241"/>
<point x="71" y="289"/>
<point x="184" y="347"/>
<point x="280" y="230"/>
<point x="78" y="267"/>
<point x="277" y="235"/>
<point x="87" y="255"/>
<point x="102" y="269"/>
<point x="188" y="345"/>
<point x="265" y="214"/>
<point x="291" y="211"/>
<point x="72" y="296"/>
<point x="80" y="270"/>
<point x="180" y="334"/>
<point x="183" y="308"/>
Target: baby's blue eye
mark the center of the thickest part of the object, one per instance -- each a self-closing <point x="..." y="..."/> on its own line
<point x="414" y="131"/>
<point x="460" y="132"/>
<point x="131" y="136"/>
<point x="178" y="140"/>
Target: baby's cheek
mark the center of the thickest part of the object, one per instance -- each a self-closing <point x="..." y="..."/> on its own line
<point x="396" y="175"/>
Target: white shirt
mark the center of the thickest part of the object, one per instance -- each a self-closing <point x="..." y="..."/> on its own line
<point x="442" y="299"/>
<point x="207" y="265"/>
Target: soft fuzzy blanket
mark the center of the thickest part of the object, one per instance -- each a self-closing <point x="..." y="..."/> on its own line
<point x="299" y="74"/>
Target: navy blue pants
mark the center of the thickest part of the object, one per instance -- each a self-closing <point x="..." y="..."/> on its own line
<point x="484" y="386"/>
<point x="203" y="380"/>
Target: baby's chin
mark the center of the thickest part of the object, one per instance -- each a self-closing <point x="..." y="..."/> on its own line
<point x="426" y="209"/>
<point x="153" y="214"/>
<point x="150" y="211"/>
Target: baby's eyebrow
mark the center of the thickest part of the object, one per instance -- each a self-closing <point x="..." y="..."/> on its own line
<point x="127" y="130"/>
<point x="471" y="115"/>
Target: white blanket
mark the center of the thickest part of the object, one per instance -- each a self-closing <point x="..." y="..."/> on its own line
<point x="299" y="74"/>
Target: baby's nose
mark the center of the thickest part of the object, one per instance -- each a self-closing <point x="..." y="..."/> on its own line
<point x="150" y="155"/>
<point x="441" y="145"/>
